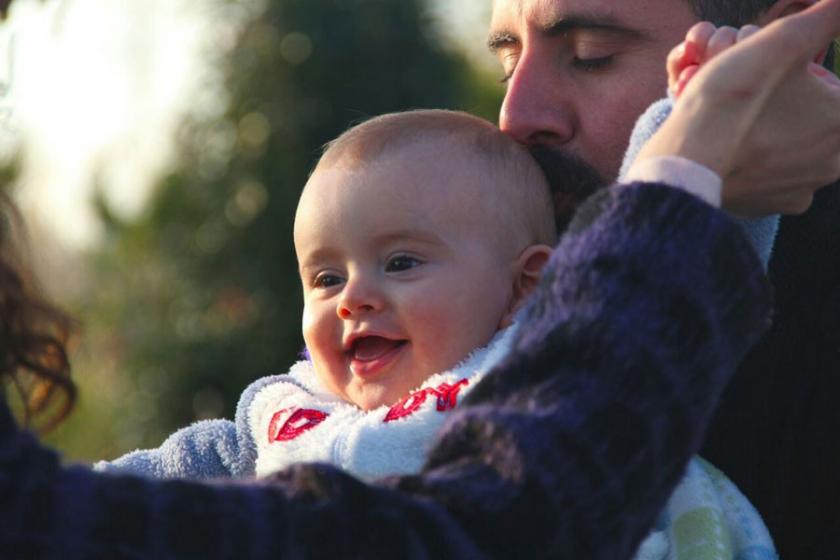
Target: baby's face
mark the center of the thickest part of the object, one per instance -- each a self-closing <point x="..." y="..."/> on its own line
<point x="401" y="278"/>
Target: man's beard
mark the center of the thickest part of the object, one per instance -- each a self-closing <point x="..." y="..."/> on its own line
<point x="571" y="179"/>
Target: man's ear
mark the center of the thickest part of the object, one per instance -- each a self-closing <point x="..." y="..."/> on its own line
<point x="784" y="8"/>
<point x="526" y="275"/>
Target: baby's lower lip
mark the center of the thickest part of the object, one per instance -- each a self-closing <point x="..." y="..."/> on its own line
<point x="369" y="368"/>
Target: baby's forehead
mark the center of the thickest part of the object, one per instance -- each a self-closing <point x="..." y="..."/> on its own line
<point x="446" y="170"/>
<point x="450" y="162"/>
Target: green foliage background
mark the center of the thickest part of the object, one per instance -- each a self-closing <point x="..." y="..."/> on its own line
<point x="198" y="297"/>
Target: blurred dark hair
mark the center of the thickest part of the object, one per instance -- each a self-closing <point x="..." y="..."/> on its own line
<point x="33" y="336"/>
<point x="730" y="12"/>
<point x="740" y="12"/>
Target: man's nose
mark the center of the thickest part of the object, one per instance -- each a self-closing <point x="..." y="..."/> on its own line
<point x="359" y="296"/>
<point x="537" y="108"/>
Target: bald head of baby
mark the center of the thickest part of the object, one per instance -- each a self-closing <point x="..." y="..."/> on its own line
<point x="418" y="235"/>
<point x="467" y="164"/>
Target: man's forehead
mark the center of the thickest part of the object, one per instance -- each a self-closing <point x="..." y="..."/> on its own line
<point x="542" y="13"/>
<point x="508" y="15"/>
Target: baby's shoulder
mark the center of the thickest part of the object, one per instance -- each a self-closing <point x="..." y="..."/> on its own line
<point x="299" y="384"/>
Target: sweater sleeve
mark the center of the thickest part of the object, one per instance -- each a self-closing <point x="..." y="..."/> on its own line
<point x="567" y="449"/>
<point x="204" y="450"/>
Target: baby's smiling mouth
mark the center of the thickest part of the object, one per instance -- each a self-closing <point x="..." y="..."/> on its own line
<point x="370" y="348"/>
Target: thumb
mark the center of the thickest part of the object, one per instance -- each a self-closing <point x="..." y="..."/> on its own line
<point x="796" y="39"/>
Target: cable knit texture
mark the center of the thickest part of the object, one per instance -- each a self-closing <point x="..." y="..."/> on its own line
<point x="568" y="448"/>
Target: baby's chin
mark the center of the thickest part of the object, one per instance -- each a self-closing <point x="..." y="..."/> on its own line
<point x="366" y="395"/>
<point x="382" y="388"/>
<point x="371" y="398"/>
<point x="381" y="393"/>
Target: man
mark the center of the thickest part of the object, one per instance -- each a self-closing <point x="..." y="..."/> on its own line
<point x="578" y="74"/>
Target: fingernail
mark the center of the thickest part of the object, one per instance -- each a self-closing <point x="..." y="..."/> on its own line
<point x="690" y="50"/>
<point x="685" y="77"/>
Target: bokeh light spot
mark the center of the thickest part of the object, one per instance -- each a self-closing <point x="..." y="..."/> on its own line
<point x="296" y="48"/>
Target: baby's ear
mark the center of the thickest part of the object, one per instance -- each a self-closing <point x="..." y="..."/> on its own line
<point x="527" y="270"/>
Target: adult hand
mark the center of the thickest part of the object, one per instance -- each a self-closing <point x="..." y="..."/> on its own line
<point x="761" y="117"/>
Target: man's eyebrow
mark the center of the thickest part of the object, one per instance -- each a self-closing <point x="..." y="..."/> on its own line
<point x="566" y="25"/>
<point x="582" y="22"/>
<point x="501" y="39"/>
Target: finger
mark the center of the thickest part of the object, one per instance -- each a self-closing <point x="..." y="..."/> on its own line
<point x="696" y="41"/>
<point x="820" y="23"/>
<point x="824" y="74"/>
<point x="675" y="65"/>
<point x="685" y="77"/>
<point x="723" y="38"/>
<point x="747" y="31"/>
<point x="798" y="38"/>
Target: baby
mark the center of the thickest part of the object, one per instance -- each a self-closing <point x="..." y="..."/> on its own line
<point x="418" y="236"/>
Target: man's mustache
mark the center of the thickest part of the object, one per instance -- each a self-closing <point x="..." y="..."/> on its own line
<point x="571" y="180"/>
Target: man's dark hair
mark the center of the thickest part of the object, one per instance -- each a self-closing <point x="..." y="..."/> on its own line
<point x="730" y="12"/>
<point x="740" y="12"/>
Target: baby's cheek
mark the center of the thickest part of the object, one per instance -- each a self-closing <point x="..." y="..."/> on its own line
<point x="307" y="326"/>
<point x="317" y="330"/>
<point x="436" y="335"/>
<point x="457" y="336"/>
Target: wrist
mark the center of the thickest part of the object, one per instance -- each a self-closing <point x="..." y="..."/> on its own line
<point x="678" y="172"/>
<point x="697" y="133"/>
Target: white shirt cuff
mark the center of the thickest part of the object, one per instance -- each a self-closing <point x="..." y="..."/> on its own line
<point x="678" y="172"/>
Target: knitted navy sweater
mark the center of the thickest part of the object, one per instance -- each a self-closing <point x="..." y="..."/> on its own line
<point x="568" y="449"/>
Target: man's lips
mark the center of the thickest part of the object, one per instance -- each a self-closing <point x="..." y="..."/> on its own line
<point x="370" y="354"/>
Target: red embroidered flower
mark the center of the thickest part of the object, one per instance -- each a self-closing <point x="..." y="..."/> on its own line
<point x="406" y="406"/>
<point x="297" y="421"/>
<point x="447" y="398"/>
<point x="447" y="395"/>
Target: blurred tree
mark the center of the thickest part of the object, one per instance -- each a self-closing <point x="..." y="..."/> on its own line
<point x="200" y="295"/>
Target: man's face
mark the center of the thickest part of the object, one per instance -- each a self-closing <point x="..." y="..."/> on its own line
<point x="580" y="72"/>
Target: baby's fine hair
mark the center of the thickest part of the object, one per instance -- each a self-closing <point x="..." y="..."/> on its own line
<point x="520" y="185"/>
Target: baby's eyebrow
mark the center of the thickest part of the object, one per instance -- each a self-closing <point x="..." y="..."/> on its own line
<point x="315" y="258"/>
<point x="422" y="235"/>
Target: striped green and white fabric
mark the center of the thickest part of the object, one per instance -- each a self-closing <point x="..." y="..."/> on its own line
<point x="708" y="518"/>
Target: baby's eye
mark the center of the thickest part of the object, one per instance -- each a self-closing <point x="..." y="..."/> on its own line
<point x="324" y="280"/>
<point x="400" y="263"/>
